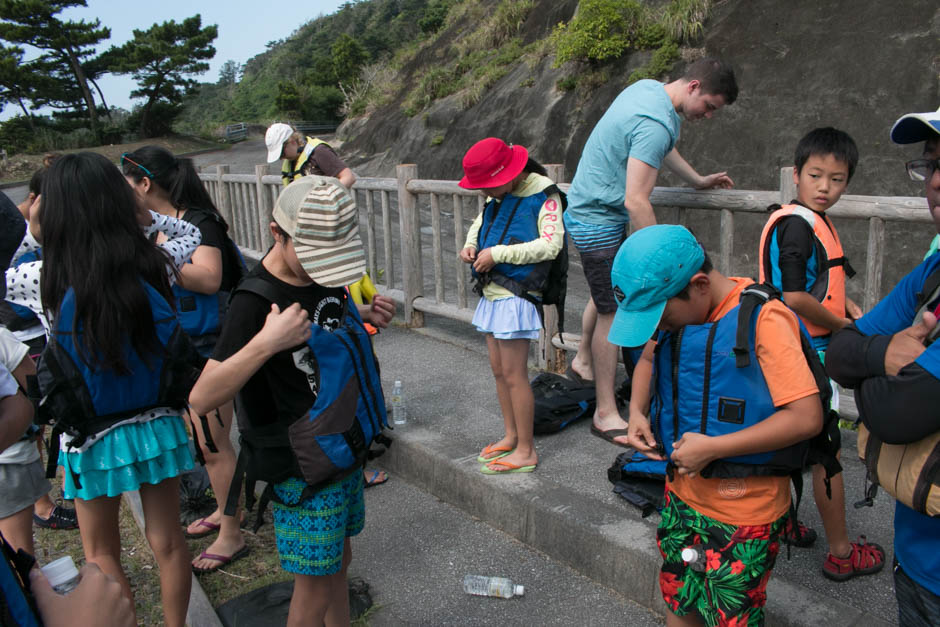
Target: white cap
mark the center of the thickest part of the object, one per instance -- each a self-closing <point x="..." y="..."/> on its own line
<point x="519" y="591"/>
<point x="689" y="555"/>
<point x="398" y="383"/>
<point x="274" y="139"/>
<point x="60" y="571"/>
<point x="916" y="127"/>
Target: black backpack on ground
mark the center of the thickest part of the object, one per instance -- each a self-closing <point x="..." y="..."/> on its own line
<point x="559" y="401"/>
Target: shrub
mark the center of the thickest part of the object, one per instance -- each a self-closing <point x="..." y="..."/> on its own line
<point x="602" y="29"/>
<point x="567" y="83"/>
<point x="659" y="64"/>
<point x="685" y="19"/>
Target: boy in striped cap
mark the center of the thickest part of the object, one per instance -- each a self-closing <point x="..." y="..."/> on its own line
<point x="273" y="352"/>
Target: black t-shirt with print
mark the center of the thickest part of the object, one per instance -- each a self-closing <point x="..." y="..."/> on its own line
<point x="280" y="388"/>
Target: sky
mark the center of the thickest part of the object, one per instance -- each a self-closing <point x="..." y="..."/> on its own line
<point x="245" y="26"/>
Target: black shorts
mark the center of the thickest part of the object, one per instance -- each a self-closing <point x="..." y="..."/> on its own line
<point x="597" y="265"/>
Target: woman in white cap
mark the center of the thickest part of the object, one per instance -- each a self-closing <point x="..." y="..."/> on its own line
<point x="303" y="155"/>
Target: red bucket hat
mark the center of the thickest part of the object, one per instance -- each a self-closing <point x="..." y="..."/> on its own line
<point x="491" y="162"/>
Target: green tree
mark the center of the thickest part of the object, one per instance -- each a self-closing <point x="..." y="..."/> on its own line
<point x="287" y="100"/>
<point x="230" y="73"/>
<point x="34" y="22"/>
<point x="161" y="59"/>
<point x="348" y="58"/>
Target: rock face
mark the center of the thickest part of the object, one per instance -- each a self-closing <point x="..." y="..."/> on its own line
<point x="856" y="65"/>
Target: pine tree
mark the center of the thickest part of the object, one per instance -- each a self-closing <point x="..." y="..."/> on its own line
<point x="159" y="59"/>
<point x="34" y="22"/>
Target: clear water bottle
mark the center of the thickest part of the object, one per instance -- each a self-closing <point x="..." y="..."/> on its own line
<point x="62" y="574"/>
<point x="399" y="414"/>
<point x="692" y="555"/>
<point x="491" y="587"/>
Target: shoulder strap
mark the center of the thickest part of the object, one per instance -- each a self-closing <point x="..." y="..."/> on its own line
<point x="931" y="284"/>
<point x="264" y="289"/>
<point x="752" y="298"/>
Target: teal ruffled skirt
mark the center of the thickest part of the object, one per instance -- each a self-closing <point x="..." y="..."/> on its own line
<point x="127" y="457"/>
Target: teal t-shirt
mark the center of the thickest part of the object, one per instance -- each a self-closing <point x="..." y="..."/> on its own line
<point x="640" y="123"/>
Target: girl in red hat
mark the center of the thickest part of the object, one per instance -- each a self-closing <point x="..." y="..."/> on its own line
<point x="511" y="245"/>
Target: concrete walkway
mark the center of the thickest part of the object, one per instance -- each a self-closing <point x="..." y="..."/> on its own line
<point x="567" y="509"/>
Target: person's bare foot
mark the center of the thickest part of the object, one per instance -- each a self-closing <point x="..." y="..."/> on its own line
<point x="583" y="370"/>
<point x="513" y="460"/>
<point x="223" y="547"/>
<point x="606" y="426"/>
<point x="494" y="450"/>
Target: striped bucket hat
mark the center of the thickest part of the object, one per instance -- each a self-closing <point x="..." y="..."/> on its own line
<point x="320" y="216"/>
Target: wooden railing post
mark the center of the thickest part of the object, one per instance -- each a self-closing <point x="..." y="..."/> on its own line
<point x="225" y="200"/>
<point x="410" y="244"/>
<point x="787" y="186"/>
<point x="874" y="262"/>
<point x="264" y="209"/>
<point x="549" y="357"/>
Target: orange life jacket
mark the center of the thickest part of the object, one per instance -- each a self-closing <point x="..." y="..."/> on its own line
<point x="829" y="288"/>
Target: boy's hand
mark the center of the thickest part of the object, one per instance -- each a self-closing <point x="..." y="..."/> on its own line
<point x="285" y="329"/>
<point x="97" y="600"/>
<point x="484" y="261"/>
<point x="380" y="311"/>
<point x="692" y="452"/>
<point x="718" y="180"/>
<point x="640" y="437"/>
<point x="468" y="254"/>
<point x="853" y="310"/>
<point x="907" y="345"/>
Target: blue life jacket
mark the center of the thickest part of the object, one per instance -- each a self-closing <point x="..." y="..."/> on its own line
<point x="82" y="400"/>
<point x="17" y="606"/>
<point x="201" y="314"/>
<point x="514" y="220"/>
<point x="332" y="439"/>
<point x="708" y="380"/>
<point x="641" y="481"/>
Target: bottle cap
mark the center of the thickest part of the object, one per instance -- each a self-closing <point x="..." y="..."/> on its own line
<point x="519" y="591"/>
<point x="60" y="571"/>
<point x="689" y="555"/>
<point x="398" y="384"/>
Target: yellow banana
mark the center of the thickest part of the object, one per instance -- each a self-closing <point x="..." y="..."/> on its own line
<point x="368" y="288"/>
<point x="355" y="292"/>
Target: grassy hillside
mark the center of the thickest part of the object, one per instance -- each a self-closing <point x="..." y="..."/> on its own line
<point x="415" y="52"/>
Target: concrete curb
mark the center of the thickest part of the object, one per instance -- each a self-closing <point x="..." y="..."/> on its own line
<point x="200" y="612"/>
<point x="595" y="539"/>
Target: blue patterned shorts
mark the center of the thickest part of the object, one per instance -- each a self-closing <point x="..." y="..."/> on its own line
<point x="310" y="535"/>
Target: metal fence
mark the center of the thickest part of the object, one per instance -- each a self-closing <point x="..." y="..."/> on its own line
<point x="430" y="212"/>
<point x="236" y="132"/>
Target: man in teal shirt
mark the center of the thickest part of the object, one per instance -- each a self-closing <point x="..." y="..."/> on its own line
<point x="612" y="187"/>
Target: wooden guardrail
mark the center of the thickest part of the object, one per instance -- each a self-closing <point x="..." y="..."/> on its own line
<point x="427" y="209"/>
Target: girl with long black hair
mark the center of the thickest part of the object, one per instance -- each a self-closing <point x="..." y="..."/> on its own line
<point x="106" y="289"/>
<point x="170" y="186"/>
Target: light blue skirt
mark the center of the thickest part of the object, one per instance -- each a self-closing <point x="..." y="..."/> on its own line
<point x="127" y="457"/>
<point x="511" y="318"/>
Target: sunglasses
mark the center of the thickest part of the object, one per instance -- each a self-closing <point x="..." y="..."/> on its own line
<point x="124" y="158"/>
<point x="922" y="169"/>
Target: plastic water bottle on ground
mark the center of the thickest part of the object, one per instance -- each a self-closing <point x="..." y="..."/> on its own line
<point x="491" y="587"/>
<point x="693" y="556"/>
<point x="62" y="574"/>
<point x="399" y="415"/>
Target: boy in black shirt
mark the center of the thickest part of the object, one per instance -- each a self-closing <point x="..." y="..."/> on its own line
<point x="263" y="355"/>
